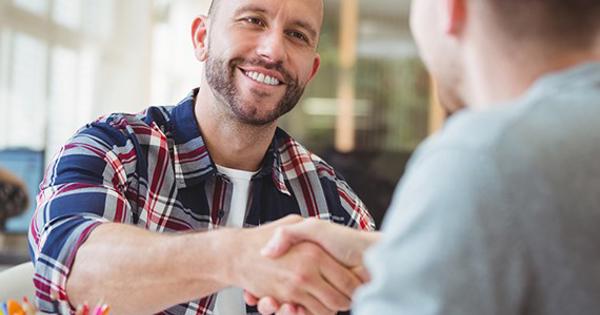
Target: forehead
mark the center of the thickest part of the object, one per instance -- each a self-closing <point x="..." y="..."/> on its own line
<point x="306" y="11"/>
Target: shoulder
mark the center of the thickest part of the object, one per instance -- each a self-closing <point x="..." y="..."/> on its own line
<point x="500" y="134"/>
<point x="117" y="129"/>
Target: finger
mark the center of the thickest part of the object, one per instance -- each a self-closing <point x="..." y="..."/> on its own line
<point x="288" y="309"/>
<point x="341" y="278"/>
<point x="278" y="245"/>
<point x="250" y="299"/>
<point x="290" y="235"/>
<point x="303" y="311"/>
<point x="327" y="295"/>
<point x="314" y="306"/>
<point x="362" y="273"/>
<point x="268" y="305"/>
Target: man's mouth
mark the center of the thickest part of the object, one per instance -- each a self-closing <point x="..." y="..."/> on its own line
<point x="261" y="78"/>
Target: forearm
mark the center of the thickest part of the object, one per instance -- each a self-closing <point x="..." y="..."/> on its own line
<point x="140" y="272"/>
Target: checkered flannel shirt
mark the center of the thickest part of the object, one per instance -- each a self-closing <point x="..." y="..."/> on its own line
<point x="153" y="170"/>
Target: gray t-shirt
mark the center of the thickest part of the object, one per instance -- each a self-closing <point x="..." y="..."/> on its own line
<point x="499" y="213"/>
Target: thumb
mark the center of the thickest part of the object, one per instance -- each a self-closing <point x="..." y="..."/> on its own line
<point x="287" y="236"/>
<point x="279" y="243"/>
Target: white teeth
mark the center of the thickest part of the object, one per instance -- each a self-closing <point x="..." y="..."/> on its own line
<point x="262" y="78"/>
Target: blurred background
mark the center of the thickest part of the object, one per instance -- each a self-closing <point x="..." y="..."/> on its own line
<point x="64" y="63"/>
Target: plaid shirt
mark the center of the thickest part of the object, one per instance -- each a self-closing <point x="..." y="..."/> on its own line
<point x="153" y="170"/>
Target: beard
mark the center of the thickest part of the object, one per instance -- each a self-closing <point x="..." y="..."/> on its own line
<point x="220" y="77"/>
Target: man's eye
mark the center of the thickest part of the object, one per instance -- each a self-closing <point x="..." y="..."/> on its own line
<point x="298" y="35"/>
<point x="255" y="21"/>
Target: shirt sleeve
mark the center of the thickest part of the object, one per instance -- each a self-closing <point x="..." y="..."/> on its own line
<point x="450" y="245"/>
<point x="83" y="187"/>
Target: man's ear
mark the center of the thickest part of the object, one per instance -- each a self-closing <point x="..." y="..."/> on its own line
<point x="200" y="37"/>
<point x="315" y="67"/>
<point x="455" y="16"/>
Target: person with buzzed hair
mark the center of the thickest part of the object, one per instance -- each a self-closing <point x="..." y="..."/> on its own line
<point x="147" y="212"/>
<point x="498" y="212"/>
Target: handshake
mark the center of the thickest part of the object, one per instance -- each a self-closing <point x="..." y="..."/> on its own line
<point x="304" y="266"/>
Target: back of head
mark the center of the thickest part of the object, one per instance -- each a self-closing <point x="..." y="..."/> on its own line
<point x="562" y="23"/>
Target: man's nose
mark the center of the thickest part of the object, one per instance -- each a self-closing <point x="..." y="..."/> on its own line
<point x="271" y="47"/>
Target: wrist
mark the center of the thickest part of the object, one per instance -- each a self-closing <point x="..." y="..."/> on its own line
<point x="229" y="242"/>
<point x="210" y="256"/>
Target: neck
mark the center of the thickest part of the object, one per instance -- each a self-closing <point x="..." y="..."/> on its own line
<point x="497" y="73"/>
<point x="231" y="143"/>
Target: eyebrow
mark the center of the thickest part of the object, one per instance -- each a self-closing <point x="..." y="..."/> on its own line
<point x="254" y="8"/>
<point x="250" y="8"/>
<point x="312" y="32"/>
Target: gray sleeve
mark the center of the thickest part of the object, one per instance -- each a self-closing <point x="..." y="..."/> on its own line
<point x="450" y="245"/>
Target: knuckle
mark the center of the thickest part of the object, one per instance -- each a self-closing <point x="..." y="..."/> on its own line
<point x="300" y="279"/>
<point x="350" y="283"/>
<point x="312" y="252"/>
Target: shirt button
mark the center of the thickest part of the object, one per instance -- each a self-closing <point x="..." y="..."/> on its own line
<point x="221" y="214"/>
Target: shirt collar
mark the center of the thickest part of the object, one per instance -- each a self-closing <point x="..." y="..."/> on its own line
<point x="192" y="161"/>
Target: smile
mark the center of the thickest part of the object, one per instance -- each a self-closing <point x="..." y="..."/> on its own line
<point x="261" y="78"/>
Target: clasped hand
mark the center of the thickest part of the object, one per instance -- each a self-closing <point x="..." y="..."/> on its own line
<point x="304" y="268"/>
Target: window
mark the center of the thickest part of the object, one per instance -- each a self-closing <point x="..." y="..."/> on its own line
<point x="55" y="57"/>
<point x="67" y="13"/>
<point x="24" y="123"/>
<point x="39" y="7"/>
<point x="62" y="64"/>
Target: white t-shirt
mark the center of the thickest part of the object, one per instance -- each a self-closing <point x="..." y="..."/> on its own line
<point x="230" y="301"/>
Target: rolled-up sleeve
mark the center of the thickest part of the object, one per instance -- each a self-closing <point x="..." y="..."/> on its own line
<point x="83" y="187"/>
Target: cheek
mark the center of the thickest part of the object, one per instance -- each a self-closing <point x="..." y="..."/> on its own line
<point x="228" y="44"/>
<point x="303" y="68"/>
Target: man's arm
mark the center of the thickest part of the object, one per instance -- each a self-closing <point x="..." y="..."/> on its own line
<point x="140" y="272"/>
<point x="83" y="251"/>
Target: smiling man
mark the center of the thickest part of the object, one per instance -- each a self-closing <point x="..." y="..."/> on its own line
<point x="131" y="209"/>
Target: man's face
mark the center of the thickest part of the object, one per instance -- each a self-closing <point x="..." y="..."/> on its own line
<point x="262" y="54"/>
<point x="440" y="55"/>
